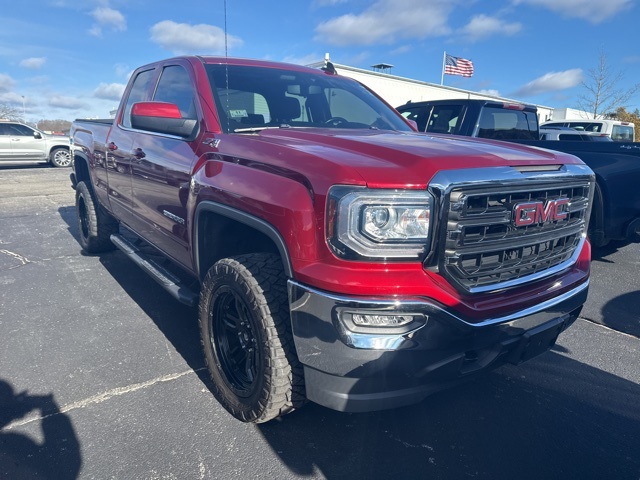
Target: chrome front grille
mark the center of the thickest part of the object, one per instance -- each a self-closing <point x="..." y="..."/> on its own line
<point x="485" y="249"/>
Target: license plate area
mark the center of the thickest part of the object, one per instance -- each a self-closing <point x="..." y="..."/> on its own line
<point x="537" y="340"/>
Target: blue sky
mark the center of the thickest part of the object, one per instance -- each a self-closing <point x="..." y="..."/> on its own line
<point x="63" y="59"/>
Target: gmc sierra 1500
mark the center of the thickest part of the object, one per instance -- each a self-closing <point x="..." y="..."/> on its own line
<point x="336" y="255"/>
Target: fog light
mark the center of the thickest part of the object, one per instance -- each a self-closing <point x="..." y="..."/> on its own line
<point x="377" y="320"/>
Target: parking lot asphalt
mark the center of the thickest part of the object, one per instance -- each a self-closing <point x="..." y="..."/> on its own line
<point x="101" y="376"/>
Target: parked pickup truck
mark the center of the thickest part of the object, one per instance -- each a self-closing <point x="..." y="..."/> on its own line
<point x="336" y="255"/>
<point x="616" y="206"/>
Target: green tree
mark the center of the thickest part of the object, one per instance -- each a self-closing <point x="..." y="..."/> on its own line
<point x="603" y="93"/>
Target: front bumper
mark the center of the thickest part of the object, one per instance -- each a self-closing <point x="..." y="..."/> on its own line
<point x="358" y="371"/>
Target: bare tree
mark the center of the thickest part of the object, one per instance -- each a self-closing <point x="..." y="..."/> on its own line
<point x="603" y="94"/>
<point x="9" y="113"/>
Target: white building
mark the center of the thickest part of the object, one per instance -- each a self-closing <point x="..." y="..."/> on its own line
<point x="399" y="90"/>
<point x="573" y="114"/>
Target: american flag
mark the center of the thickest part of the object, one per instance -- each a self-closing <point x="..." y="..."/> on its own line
<point x="458" y="66"/>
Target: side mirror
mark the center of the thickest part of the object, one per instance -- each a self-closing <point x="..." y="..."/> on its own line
<point x="162" y="117"/>
<point x="37" y="135"/>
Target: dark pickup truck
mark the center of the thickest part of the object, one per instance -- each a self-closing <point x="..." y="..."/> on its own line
<point x="616" y="207"/>
<point x="336" y="255"/>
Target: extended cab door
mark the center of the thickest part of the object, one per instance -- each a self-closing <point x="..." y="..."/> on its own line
<point x="161" y="170"/>
<point x="119" y="150"/>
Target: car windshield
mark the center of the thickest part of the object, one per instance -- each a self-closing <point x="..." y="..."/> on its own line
<point x="251" y="99"/>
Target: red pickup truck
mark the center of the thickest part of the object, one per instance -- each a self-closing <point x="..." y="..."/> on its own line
<point x="336" y="255"/>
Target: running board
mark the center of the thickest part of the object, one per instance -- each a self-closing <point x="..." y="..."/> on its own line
<point x="164" y="277"/>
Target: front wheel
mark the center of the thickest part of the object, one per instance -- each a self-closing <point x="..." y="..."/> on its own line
<point x="246" y="337"/>
<point x="60" y="157"/>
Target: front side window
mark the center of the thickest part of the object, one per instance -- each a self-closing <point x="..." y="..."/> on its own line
<point x="418" y="115"/>
<point x="19" y="130"/>
<point x="444" y="118"/>
<point x="252" y="98"/>
<point x="176" y="87"/>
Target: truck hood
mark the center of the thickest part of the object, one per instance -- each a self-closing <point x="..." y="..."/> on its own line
<point x="392" y="158"/>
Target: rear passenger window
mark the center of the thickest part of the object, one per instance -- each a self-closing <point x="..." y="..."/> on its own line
<point x="138" y="93"/>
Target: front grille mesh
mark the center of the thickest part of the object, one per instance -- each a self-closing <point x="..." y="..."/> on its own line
<point x="485" y="250"/>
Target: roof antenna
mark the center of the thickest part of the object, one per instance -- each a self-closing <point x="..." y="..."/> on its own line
<point x="328" y="66"/>
<point x="226" y="65"/>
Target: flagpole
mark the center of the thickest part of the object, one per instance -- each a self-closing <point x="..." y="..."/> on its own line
<point x="444" y="56"/>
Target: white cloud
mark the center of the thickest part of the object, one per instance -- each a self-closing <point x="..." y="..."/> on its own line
<point x="402" y="49"/>
<point x="483" y="26"/>
<point x="492" y="92"/>
<point x="551" y="82"/>
<point x="305" y="60"/>
<point x="109" y="91"/>
<point x="6" y="82"/>
<point x="33" y="63"/>
<point x="108" y="18"/>
<point x="123" y="70"/>
<point x="67" y="103"/>
<point x="11" y="98"/>
<point x="386" y="21"/>
<point x="592" y="11"/>
<point x="182" y="38"/>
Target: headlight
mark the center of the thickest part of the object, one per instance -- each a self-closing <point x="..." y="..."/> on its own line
<point x="364" y="223"/>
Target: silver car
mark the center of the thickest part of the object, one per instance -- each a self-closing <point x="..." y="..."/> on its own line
<point x="21" y="143"/>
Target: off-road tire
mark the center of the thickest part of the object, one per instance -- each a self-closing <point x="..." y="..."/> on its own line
<point x="94" y="224"/>
<point x="246" y="336"/>
<point x="60" y="157"/>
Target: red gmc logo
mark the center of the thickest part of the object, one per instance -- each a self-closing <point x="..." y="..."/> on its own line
<point x="530" y="213"/>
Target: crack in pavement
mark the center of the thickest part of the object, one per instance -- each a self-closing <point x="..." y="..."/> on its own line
<point x="607" y="327"/>
<point x="23" y="260"/>
<point x="101" y="397"/>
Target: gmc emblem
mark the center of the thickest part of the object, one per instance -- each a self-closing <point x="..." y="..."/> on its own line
<point x="530" y="213"/>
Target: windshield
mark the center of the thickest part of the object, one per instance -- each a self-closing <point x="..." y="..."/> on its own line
<point x="254" y="98"/>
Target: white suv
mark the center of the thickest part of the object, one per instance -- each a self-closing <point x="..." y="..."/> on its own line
<point x="22" y="143"/>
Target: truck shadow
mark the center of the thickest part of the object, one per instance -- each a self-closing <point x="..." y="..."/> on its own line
<point x="621" y="313"/>
<point x="551" y="418"/>
<point x="177" y="322"/>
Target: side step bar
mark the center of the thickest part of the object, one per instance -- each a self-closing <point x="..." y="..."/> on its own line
<point x="165" y="278"/>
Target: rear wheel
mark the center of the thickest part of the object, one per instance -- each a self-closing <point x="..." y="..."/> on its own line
<point x="247" y="340"/>
<point x="95" y="225"/>
<point x="60" y="157"/>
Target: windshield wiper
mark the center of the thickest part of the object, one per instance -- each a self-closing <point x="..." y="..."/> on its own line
<point x="251" y="129"/>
